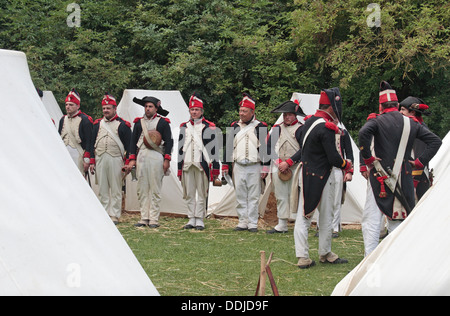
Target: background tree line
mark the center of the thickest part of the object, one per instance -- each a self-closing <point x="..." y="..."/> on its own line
<point x="220" y="49"/>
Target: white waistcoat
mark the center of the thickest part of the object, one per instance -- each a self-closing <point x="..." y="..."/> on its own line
<point x="193" y="145"/>
<point x="246" y="144"/>
<point x="104" y="142"/>
<point x="287" y="145"/>
<point x="70" y="131"/>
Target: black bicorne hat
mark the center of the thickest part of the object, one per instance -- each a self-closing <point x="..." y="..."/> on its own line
<point x="153" y="100"/>
<point x="414" y="104"/>
<point x="289" y="107"/>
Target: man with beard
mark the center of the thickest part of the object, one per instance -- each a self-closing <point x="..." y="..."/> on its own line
<point x="150" y="151"/>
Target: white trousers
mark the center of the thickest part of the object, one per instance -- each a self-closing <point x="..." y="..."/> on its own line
<point x="337" y="205"/>
<point x="302" y="224"/>
<point x="195" y="185"/>
<point x="247" y="179"/>
<point x="150" y="173"/>
<point x="109" y="177"/>
<point x="373" y="222"/>
<point x="282" y="190"/>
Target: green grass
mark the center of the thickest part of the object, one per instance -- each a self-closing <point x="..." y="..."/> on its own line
<point x="221" y="262"/>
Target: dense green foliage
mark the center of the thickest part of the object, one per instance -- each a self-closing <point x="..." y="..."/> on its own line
<point x="223" y="48"/>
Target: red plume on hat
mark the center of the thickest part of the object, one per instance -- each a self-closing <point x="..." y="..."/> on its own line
<point x="324" y="99"/>
<point x="74" y="97"/>
<point x="415" y="104"/>
<point x="109" y="99"/>
<point x="195" y="101"/>
<point x="387" y="93"/>
<point x="247" y="102"/>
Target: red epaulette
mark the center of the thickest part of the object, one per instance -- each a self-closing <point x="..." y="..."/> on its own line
<point x="307" y="117"/>
<point x="332" y="126"/>
<point x="167" y="120"/>
<point x="264" y="123"/>
<point x="126" y="123"/>
<point x="372" y="116"/>
<point x="211" y="124"/>
<point x="90" y="118"/>
<point x="137" y="119"/>
<point x="233" y="124"/>
<point x="97" y="121"/>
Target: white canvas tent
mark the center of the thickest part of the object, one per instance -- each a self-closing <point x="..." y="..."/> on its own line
<point x="52" y="107"/>
<point x="442" y="159"/>
<point x="55" y="237"/>
<point x="414" y="259"/>
<point x="356" y="194"/>
<point x="172" y="193"/>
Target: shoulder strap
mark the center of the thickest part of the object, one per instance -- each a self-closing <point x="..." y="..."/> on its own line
<point x="402" y="147"/>
<point x="149" y="140"/>
<point x="114" y="136"/>
<point x="321" y="120"/>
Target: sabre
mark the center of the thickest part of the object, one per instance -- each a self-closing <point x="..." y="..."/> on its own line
<point x="392" y="183"/>
<point x="398" y="192"/>
<point x="228" y="178"/>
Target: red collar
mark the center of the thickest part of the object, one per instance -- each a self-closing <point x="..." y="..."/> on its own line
<point x="200" y="119"/>
<point x="388" y="110"/>
<point x="112" y="119"/>
<point x="293" y="123"/>
<point x="145" y="116"/>
<point x="324" y="115"/>
<point x="78" y="114"/>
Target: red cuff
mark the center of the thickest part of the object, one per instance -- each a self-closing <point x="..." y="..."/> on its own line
<point x="168" y="157"/>
<point x="87" y="154"/>
<point x="347" y="166"/>
<point x="290" y="162"/>
<point x="265" y="169"/>
<point x="92" y="161"/>
<point x="362" y="168"/>
<point x="132" y="157"/>
<point x="215" y="172"/>
<point x="369" y="161"/>
<point x="418" y="164"/>
<point x="225" y="167"/>
<point x="180" y="172"/>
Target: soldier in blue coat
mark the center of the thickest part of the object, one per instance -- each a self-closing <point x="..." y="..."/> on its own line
<point x="319" y="154"/>
<point x="390" y="175"/>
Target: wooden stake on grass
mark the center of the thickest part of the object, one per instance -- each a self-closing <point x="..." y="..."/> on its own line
<point x="264" y="272"/>
<point x="262" y="275"/>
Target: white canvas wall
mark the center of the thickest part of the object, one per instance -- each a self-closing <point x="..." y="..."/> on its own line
<point x="55" y="237"/>
<point x="52" y="107"/>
